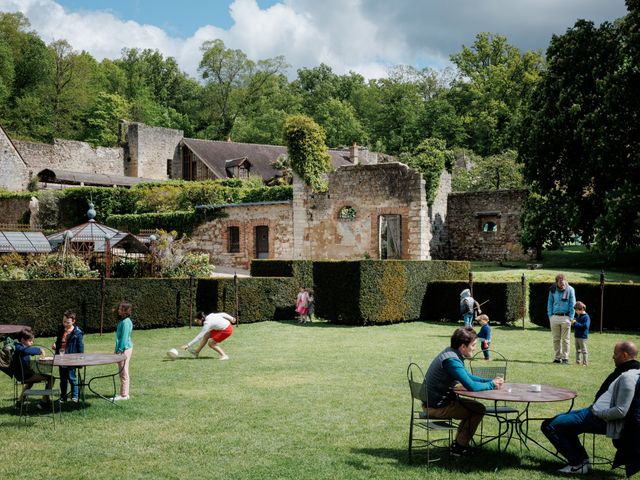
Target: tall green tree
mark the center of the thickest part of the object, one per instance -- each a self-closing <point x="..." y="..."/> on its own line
<point x="490" y="173"/>
<point x="579" y="140"/>
<point x="233" y="82"/>
<point x="494" y="80"/>
<point x="430" y="158"/>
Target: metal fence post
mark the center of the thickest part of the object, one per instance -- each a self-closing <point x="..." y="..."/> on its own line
<point x="523" y="304"/>
<point x="601" y="298"/>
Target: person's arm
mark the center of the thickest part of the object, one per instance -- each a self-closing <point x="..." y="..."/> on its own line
<point x="550" y="305"/>
<point x="198" y="338"/>
<point x="228" y="317"/>
<point x="572" y="302"/>
<point x="455" y="368"/>
<point x="626" y="389"/>
<point x="123" y="332"/>
<point x="80" y="341"/>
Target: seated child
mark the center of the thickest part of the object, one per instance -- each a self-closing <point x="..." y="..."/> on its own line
<point x="484" y="335"/>
<point x="25" y="374"/>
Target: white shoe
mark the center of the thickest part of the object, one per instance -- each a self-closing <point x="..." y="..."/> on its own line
<point x="119" y="398"/>
<point x="581" y="469"/>
<point x="226" y="357"/>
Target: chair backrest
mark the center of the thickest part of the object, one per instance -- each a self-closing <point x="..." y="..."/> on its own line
<point x="484" y="369"/>
<point x="415" y="376"/>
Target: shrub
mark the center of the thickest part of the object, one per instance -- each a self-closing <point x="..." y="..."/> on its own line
<point x="59" y="266"/>
<point x="41" y="303"/>
<point x="259" y="299"/>
<point x="181" y="222"/>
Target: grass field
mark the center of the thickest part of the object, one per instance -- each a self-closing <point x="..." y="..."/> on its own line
<point x="316" y="401"/>
<point x="579" y="264"/>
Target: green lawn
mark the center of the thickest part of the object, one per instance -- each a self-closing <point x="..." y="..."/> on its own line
<point x="578" y="263"/>
<point x="317" y="401"/>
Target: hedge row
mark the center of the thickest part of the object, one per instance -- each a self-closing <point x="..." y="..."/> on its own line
<point x="41" y="303"/>
<point x="620" y="304"/>
<point x="504" y="301"/>
<point x="181" y="222"/>
<point x="374" y="291"/>
<point x="259" y="299"/>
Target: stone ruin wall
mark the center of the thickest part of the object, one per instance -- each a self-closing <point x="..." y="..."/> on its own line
<point x="372" y="190"/>
<point x="437" y="219"/>
<point x="13" y="209"/>
<point x="466" y="214"/>
<point x="212" y="237"/>
<point x="14" y="173"/>
<point x="71" y="155"/>
<point x="149" y="150"/>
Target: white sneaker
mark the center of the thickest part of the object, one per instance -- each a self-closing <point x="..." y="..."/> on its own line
<point x="581" y="469"/>
<point x="119" y="398"/>
<point x="226" y="357"/>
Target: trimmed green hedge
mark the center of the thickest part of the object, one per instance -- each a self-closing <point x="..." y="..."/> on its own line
<point x="181" y="222"/>
<point x="377" y="291"/>
<point x="620" y="300"/>
<point x="157" y="302"/>
<point x="505" y="305"/>
<point x="259" y="299"/>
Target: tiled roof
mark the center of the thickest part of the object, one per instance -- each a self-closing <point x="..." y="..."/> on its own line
<point x="215" y="154"/>
<point x="100" y="179"/>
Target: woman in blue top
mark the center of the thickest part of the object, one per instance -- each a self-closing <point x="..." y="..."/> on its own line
<point x="124" y="345"/>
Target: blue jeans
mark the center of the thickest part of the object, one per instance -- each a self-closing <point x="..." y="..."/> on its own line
<point x="563" y="431"/>
<point x="468" y="319"/>
<point x="68" y="375"/>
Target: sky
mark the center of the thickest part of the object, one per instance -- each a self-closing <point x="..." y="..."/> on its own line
<point x="365" y="36"/>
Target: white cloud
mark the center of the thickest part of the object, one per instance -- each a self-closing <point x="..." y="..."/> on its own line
<point x="361" y="35"/>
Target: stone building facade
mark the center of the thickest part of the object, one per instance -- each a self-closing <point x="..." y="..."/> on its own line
<point x="14" y="171"/>
<point x="152" y="152"/>
<point x="383" y="201"/>
<point x="486" y="225"/>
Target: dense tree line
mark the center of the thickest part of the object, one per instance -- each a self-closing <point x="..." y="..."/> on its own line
<point x="568" y="122"/>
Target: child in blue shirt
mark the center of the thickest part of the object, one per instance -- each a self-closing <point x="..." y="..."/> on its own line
<point x="581" y="324"/>
<point x="484" y="335"/>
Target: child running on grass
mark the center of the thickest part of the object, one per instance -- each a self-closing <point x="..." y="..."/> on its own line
<point x="216" y="327"/>
<point x="124" y="345"/>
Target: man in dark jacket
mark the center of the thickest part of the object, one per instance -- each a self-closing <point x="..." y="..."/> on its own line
<point x="628" y="445"/>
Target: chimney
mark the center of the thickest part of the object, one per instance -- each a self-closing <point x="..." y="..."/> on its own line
<point x="353" y="153"/>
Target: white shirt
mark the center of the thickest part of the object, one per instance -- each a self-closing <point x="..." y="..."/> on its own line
<point x="213" y="321"/>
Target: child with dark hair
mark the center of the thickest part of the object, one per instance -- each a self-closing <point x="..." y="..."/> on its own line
<point x="70" y="339"/>
<point x="24" y="349"/>
<point x="581" y="323"/>
<point x="124" y="345"/>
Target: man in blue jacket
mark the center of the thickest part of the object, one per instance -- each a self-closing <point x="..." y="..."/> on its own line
<point x="445" y="371"/>
<point x="560" y="310"/>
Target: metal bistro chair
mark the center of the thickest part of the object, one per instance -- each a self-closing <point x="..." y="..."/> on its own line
<point x="27" y="393"/>
<point x="420" y="419"/>
<point x="497" y="366"/>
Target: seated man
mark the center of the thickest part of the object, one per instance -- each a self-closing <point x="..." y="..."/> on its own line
<point x="445" y="371"/>
<point x="606" y="416"/>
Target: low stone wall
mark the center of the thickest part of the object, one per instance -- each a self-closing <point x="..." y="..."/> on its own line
<point x="71" y="155"/>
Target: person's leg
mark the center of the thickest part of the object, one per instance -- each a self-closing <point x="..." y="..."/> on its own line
<point x="73" y="381"/>
<point x="124" y="373"/>
<point x="468" y="411"/>
<point x="468" y="319"/>
<point x="585" y="352"/>
<point x="64" y="380"/>
<point x="565" y="339"/>
<point x="554" y="323"/>
<point x="203" y="342"/>
<point x="216" y="347"/>
<point x="563" y="432"/>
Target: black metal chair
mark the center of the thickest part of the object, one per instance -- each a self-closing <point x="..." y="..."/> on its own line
<point x="420" y="420"/>
<point x="497" y="366"/>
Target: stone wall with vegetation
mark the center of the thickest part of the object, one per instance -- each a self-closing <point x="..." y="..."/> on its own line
<point x="468" y="213"/>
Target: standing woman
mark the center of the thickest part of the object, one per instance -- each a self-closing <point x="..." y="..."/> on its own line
<point x="124" y="345"/>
